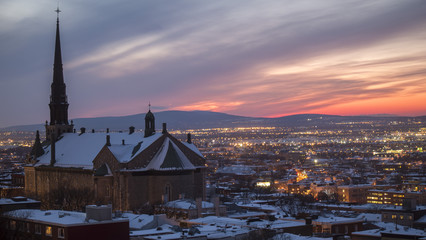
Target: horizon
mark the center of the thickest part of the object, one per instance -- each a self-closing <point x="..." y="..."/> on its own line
<point x="254" y="59"/>
<point x="370" y="115"/>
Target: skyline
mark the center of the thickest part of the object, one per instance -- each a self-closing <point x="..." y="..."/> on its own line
<point x="251" y="58"/>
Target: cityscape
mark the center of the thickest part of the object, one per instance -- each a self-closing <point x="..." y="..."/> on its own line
<point x="357" y="172"/>
<point x="226" y="120"/>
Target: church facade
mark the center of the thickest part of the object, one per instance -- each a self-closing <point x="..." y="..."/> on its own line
<point x="127" y="169"/>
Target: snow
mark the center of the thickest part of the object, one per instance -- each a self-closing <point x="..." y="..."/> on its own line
<point x="163" y="229"/>
<point x="187" y="204"/>
<point x="371" y="217"/>
<point x="226" y="221"/>
<point x="138" y="221"/>
<point x="237" y="169"/>
<point x="160" y="156"/>
<point x="337" y="220"/>
<point x="193" y="148"/>
<point x="79" y="150"/>
<point x="5" y="201"/>
<point x="289" y="236"/>
<point x="54" y="217"/>
<point x="391" y="228"/>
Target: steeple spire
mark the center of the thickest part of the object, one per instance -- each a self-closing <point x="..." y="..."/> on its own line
<point x="149" y="122"/>
<point x="58" y="99"/>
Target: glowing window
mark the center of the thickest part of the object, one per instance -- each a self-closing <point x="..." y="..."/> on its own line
<point x="48" y="231"/>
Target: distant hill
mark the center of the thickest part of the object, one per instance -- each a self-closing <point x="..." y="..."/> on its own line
<point x="206" y="119"/>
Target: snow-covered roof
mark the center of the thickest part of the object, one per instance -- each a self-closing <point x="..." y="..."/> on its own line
<point x="187" y="204"/>
<point x="391" y="228"/>
<point x="138" y="221"/>
<point x="55" y="217"/>
<point x="22" y="200"/>
<point x="336" y="220"/>
<point x="237" y="169"/>
<point x="169" y="157"/>
<point x="79" y="150"/>
<point x="290" y="236"/>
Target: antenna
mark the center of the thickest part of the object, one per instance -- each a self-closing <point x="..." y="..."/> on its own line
<point x="149" y="106"/>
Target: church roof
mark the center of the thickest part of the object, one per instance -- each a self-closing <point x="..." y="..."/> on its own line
<point x="79" y="150"/>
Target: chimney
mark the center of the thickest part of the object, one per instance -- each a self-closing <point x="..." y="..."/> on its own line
<point x="131" y="130"/>
<point x="164" y="128"/>
<point x="108" y="140"/>
<point x="93" y="130"/>
<point x="82" y="130"/>
<point x="189" y="138"/>
<point x="122" y="142"/>
<point x="199" y="206"/>
<point x="52" y="149"/>
<point x="107" y="130"/>
<point x="99" y="213"/>
<point x="308" y="221"/>
<point x="216" y="205"/>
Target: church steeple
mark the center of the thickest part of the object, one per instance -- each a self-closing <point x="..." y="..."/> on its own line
<point x="149" y="123"/>
<point x="58" y="99"/>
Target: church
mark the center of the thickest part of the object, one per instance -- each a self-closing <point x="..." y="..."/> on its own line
<point x="127" y="169"/>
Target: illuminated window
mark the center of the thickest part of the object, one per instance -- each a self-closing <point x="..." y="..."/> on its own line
<point x="48" y="231"/>
<point x="401" y="217"/>
<point x="61" y="233"/>
<point x="393" y="216"/>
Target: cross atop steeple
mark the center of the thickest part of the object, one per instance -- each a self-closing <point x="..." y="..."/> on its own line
<point x="57" y="11"/>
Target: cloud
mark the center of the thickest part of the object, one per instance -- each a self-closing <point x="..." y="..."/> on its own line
<point x="255" y="58"/>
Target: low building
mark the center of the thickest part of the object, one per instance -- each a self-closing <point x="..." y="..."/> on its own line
<point x="96" y="223"/>
<point x="333" y="226"/>
<point x="404" y="215"/>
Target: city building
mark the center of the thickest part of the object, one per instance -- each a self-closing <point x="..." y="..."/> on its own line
<point x="96" y="223"/>
<point x="393" y="197"/>
<point x="353" y="193"/>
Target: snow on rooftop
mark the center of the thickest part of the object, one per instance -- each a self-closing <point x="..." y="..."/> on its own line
<point x="21" y="200"/>
<point x="337" y="220"/>
<point x="391" y="228"/>
<point x="371" y="217"/>
<point x="79" y="150"/>
<point x="187" y="204"/>
<point x="54" y="217"/>
<point x="193" y="148"/>
<point x="290" y="236"/>
<point x="163" y="229"/>
<point x="138" y="221"/>
<point x="237" y="169"/>
<point x="159" y="160"/>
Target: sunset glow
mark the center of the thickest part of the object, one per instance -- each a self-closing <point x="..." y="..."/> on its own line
<point x="249" y="58"/>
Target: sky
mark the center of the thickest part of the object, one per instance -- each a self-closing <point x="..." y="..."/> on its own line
<point x="250" y="58"/>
